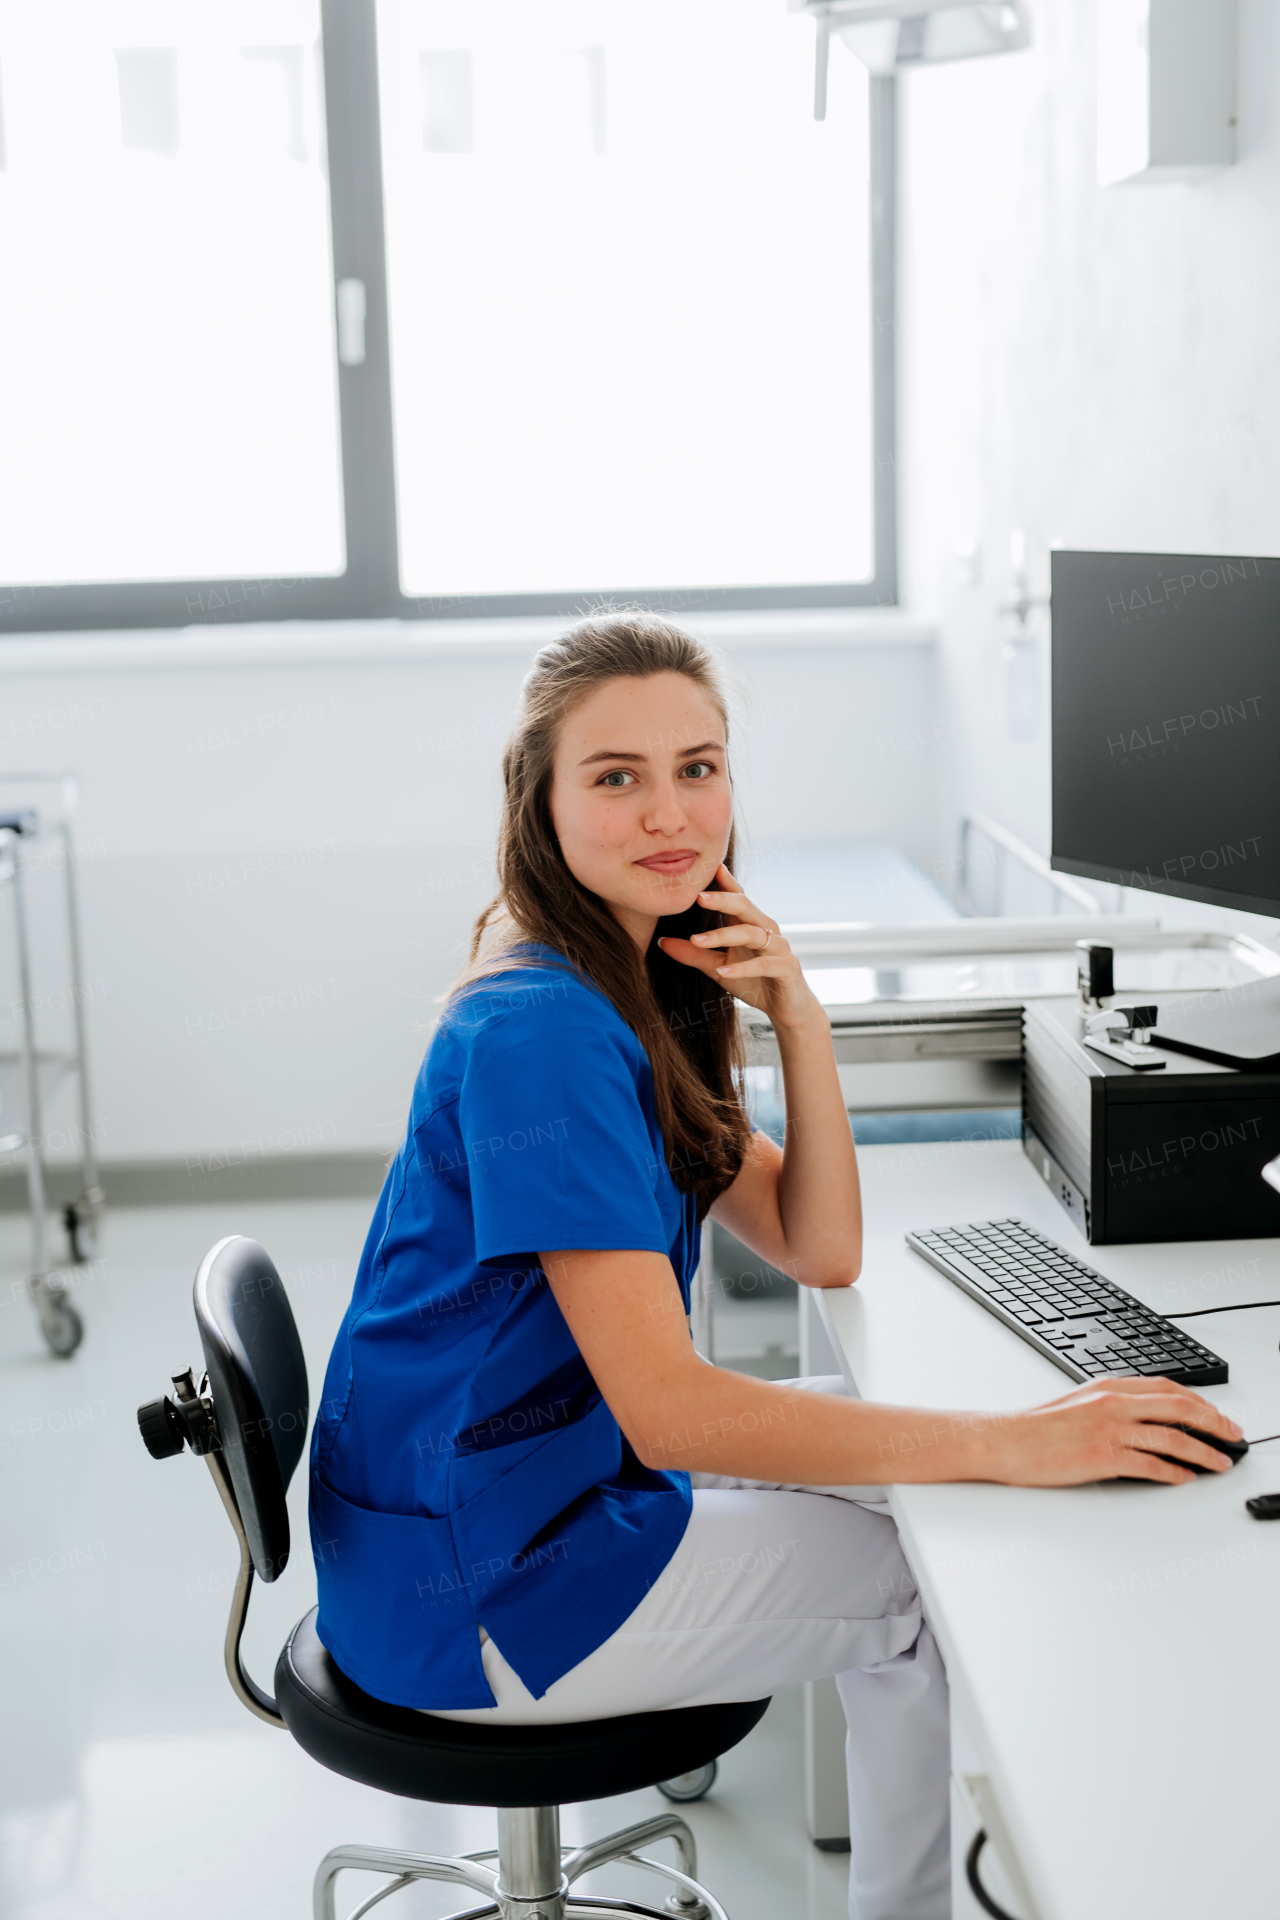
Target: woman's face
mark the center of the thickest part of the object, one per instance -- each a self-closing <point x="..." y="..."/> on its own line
<point x="640" y="796"/>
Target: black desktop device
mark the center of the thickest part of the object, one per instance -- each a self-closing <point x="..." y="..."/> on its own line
<point x="1166" y="778"/>
<point x="1175" y="1154"/>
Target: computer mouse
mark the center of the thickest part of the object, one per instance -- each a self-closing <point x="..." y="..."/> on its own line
<point x="1234" y="1449"/>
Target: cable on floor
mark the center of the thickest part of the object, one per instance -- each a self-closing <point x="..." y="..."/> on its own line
<point x="976" y="1887"/>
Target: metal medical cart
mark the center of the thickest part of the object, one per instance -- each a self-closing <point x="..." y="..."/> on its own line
<point x="39" y="1071"/>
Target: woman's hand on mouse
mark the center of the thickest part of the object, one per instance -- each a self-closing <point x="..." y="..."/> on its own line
<point x="749" y="956"/>
<point x="1107" y="1431"/>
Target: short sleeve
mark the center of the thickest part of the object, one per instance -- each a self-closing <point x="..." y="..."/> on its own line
<point x="557" y="1142"/>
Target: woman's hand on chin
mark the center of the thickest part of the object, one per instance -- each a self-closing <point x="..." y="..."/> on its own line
<point x="749" y="957"/>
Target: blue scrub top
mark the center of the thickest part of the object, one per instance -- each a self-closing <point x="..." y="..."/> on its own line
<point x="465" y="1471"/>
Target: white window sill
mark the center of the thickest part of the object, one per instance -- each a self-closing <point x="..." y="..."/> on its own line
<point x="398" y="643"/>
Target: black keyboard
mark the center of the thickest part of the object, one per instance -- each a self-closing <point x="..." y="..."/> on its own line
<point x="1067" y="1311"/>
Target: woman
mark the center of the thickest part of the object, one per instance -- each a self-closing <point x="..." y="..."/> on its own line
<point x="531" y="1499"/>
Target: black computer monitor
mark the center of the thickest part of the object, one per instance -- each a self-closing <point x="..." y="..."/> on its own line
<point x="1166" y="724"/>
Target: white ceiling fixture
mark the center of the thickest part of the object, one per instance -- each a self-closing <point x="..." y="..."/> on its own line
<point x="1166" y="90"/>
<point x="889" y="36"/>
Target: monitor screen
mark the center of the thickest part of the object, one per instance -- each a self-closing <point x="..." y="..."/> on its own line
<point x="1166" y="724"/>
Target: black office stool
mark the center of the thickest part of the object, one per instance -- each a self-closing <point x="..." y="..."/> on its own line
<point x="248" y="1418"/>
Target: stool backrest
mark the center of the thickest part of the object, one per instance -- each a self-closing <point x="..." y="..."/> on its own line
<point x="258" y="1384"/>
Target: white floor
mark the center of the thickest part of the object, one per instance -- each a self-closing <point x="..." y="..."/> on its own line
<point x="132" y="1784"/>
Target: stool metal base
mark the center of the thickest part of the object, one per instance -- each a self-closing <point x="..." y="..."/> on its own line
<point x="533" y="1873"/>
<point x="579" y="1907"/>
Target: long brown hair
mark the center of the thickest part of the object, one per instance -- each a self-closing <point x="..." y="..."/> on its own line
<point x="687" y="1024"/>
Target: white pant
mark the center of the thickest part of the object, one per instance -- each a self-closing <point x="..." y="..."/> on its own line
<point x="772" y="1585"/>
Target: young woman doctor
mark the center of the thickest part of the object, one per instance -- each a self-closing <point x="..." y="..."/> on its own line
<point x="532" y="1500"/>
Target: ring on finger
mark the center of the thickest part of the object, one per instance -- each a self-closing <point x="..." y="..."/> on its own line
<point x="765" y="947"/>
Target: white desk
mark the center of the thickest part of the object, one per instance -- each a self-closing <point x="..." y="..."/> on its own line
<point x="1114" y="1650"/>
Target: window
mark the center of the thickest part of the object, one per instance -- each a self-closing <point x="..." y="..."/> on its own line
<point x="167" y="336"/>
<point x="629" y="334"/>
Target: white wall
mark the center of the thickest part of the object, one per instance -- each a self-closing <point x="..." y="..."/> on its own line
<point x="1095" y="365"/>
<point x="286" y="834"/>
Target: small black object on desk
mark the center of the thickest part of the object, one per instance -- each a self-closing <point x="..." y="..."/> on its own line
<point x="1097" y="972"/>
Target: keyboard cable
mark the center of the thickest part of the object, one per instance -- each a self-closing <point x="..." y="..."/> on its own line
<point x="1236" y="1306"/>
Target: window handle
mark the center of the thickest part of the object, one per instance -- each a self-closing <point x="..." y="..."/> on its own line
<point x="352" y="308"/>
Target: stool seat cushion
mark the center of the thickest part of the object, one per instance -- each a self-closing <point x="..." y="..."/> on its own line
<point x="424" y="1758"/>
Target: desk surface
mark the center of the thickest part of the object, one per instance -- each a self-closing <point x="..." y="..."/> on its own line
<point x="1114" y="1650"/>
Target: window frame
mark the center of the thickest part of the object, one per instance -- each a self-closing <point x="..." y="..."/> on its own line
<point x="370" y="586"/>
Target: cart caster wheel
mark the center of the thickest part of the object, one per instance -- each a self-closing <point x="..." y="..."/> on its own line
<point x="82" y="1234"/>
<point x="690" y="1786"/>
<point x="62" y="1328"/>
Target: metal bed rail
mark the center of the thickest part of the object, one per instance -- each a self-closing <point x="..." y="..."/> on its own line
<point x="867" y="943"/>
<point x="1009" y="847"/>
